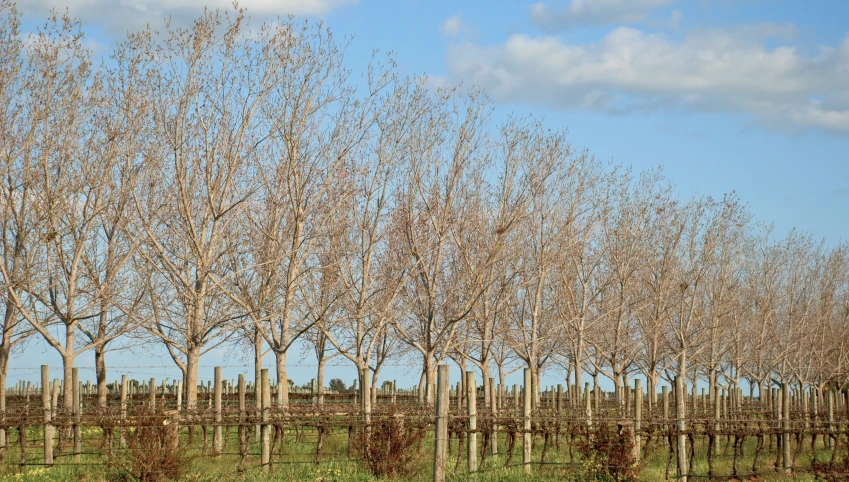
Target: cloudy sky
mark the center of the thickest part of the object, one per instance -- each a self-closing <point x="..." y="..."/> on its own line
<point x="728" y="95"/>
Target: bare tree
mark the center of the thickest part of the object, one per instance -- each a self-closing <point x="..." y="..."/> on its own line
<point x="318" y="121"/>
<point x="19" y="121"/>
<point x="211" y="82"/>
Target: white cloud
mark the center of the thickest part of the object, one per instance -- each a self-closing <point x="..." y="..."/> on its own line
<point x="581" y="13"/>
<point x="453" y="25"/>
<point x="628" y="69"/>
<point x="119" y="16"/>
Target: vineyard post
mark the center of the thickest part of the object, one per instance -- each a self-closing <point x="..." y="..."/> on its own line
<point x="394" y="390"/>
<point x="558" y="406"/>
<point x="472" y="411"/>
<point x="75" y="394"/>
<point x="830" y="400"/>
<point x="3" y="410"/>
<point x="526" y="416"/>
<point x="804" y="401"/>
<point x="776" y="414"/>
<point x="265" y="439"/>
<point x="589" y="408"/>
<point x="638" y="416"/>
<point x="258" y="407"/>
<point x="785" y="428"/>
<point x="152" y="395"/>
<point x="500" y="396"/>
<point x="216" y="432"/>
<point x="846" y="401"/>
<point x="515" y="396"/>
<point x="441" y="433"/>
<point x="739" y="392"/>
<point x="54" y="398"/>
<point x="664" y="399"/>
<point x="596" y="397"/>
<point x="122" y="398"/>
<point x="45" y="406"/>
<point x="494" y="410"/>
<point x="716" y="398"/>
<point x="179" y="395"/>
<point x="680" y="414"/>
<point x="242" y="431"/>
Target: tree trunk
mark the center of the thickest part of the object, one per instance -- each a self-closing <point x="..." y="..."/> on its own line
<point x="486" y="385"/>
<point x="9" y="323"/>
<point x="319" y="377"/>
<point x="579" y="375"/>
<point x="100" y="370"/>
<point x="422" y="384"/>
<point x="536" y="388"/>
<point x="282" y="380"/>
<point x="258" y="358"/>
<point x="651" y="376"/>
<point x="429" y="382"/>
<point x="190" y="380"/>
<point x="68" y="359"/>
<point x="681" y="406"/>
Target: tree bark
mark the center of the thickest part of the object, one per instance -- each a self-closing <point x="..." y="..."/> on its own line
<point x="190" y="379"/>
<point x="100" y="370"/>
<point x="282" y="380"/>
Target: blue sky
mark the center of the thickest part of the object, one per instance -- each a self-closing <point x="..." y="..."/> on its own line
<point x="749" y="96"/>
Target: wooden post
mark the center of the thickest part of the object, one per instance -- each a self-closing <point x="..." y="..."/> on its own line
<point x="472" y="412"/>
<point x="152" y="395"/>
<point x="815" y="410"/>
<point x="717" y="415"/>
<point x="265" y="432"/>
<point x="596" y="397"/>
<point x="588" y="404"/>
<point x="558" y="407"/>
<point x="681" y="413"/>
<point x="494" y="407"/>
<point x="122" y="398"/>
<point x="75" y="393"/>
<point x="785" y="426"/>
<point x="829" y="395"/>
<point x="515" y="396"/>
<point x="500" y="396"/>
<point x="526" y="416"/>
<point x="216" y="432"/>
<point x="242" y="430"/>
<point x="440" y="445"/>
<point x="664" y="395"/>
<point x="638" y="416"/>
<point x="45" y="407"/>
<point x="3" y="411"/>
<point x="258" y="407"/>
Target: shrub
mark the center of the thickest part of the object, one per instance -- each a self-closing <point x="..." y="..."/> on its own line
<point x="608" y="455"/>
<point x="153" y="452"/>
<point x="391" y="445"/>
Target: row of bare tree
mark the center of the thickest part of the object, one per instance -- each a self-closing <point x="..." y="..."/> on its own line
<point x="231" y="184"/>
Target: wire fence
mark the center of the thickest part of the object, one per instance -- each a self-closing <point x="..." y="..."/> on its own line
<point x="689" y="436"/>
